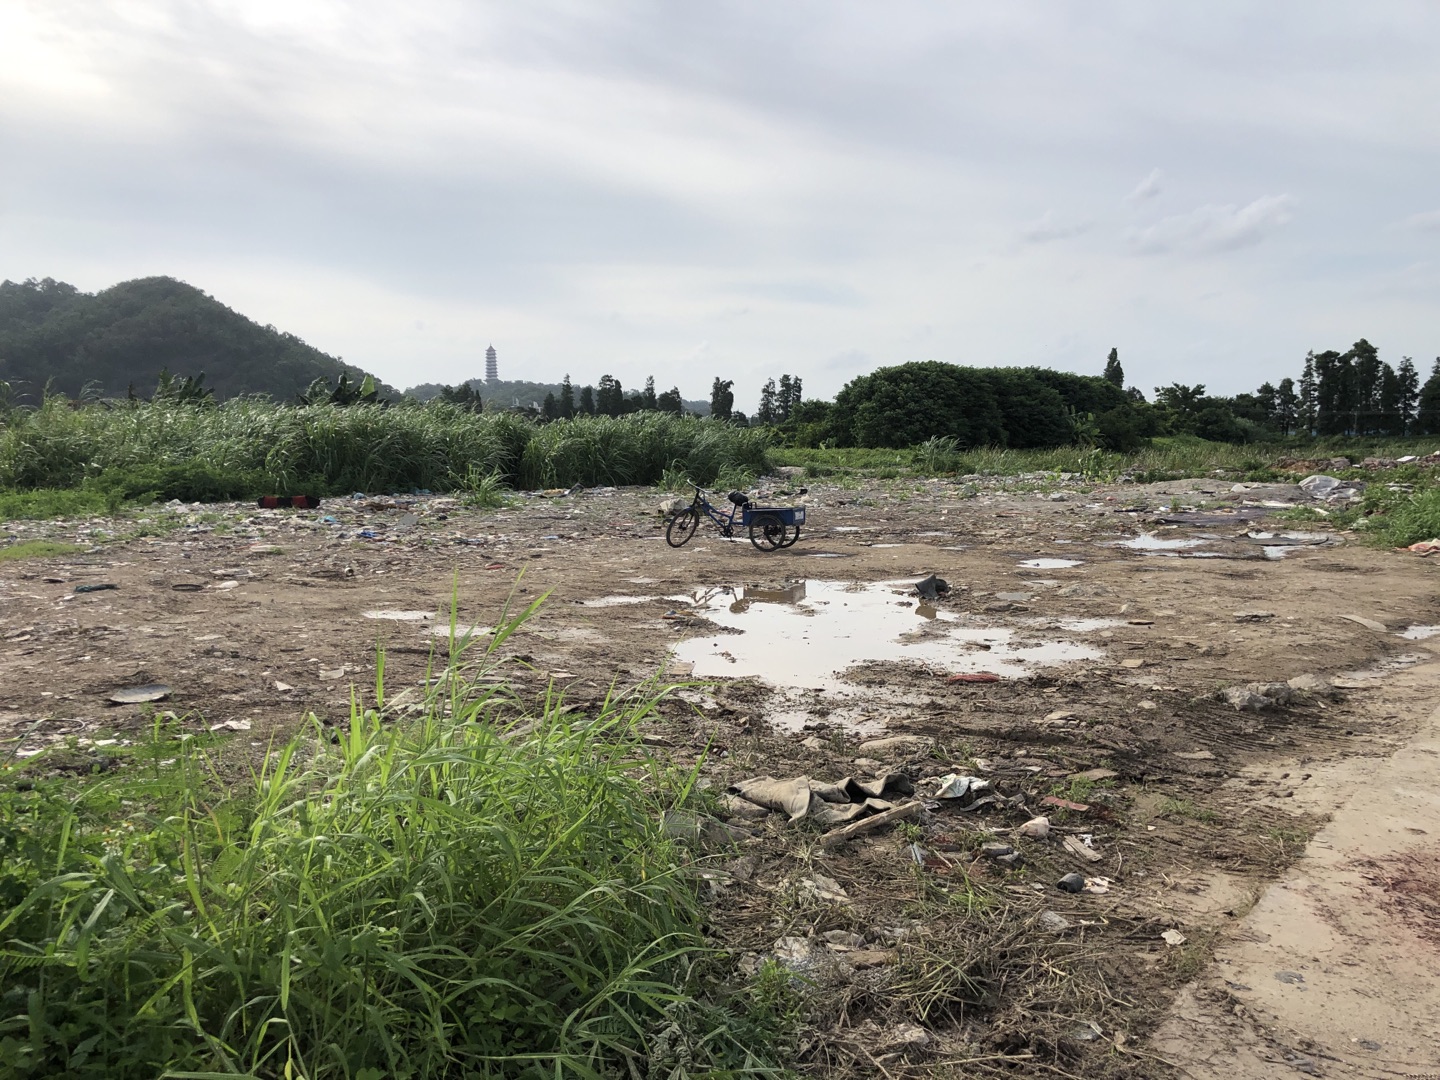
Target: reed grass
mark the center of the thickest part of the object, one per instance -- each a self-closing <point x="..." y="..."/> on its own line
<point x="248" y="447"/>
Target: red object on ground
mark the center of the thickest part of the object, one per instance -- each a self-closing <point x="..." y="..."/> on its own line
<point x="1063" y="804"/>
<point x="974" y="676"/>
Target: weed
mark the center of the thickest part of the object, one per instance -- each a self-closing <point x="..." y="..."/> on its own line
<point x="470" y="892"/>
<point x="49" y="503"/>
<point x="1184" y="808"/>
<point x="37" y="549"/>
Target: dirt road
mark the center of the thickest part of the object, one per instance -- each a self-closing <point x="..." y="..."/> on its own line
<point x="1288" y="845"/>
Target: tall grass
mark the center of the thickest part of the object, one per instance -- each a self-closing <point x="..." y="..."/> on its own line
<point x="449" y="895"/>
<point x="247" y="446"/>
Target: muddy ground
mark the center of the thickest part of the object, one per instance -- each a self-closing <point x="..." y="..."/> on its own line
<point x="1263" y="881"/>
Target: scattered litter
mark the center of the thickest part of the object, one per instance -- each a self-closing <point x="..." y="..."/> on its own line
<point x="1132" y="663"/>
<point x="825" y="888"/>
<point x="996" y="850"/>
<point x="1071" y="883"/>
<point x="283" y="687"/>
<point x="1173" y="938"/>
<point x="856" y="828"/>
<point x="1037" y="828"/>
<point x="954" y="786"/>
<point x="932" y="587"/>
<point x="138" y="695"/>
<point x="1064" y="804"/>
<point x="1291" y="977"/>
<point x="1077" y="846"/>
<point x="1424" y="547"/>
<point x="1059" y="715"/>
<point x="1094" y="774"/>
<point x="395" y="615"/>
<point x="187" y="586"/>
<point x="973" y="677"/>
<point x="826" y="803"/>
<point x="1369" y="624"/>
<point x="1253" y="616"/>
<point x="407" y="521"/>
<point x="288" y="502"/>
<point x="231" y="725"/>
<point x="95" y="588"/>
<point x="1308" y="684"/>
<point x="333" y="673"/>
<point x="224" y="586"/>
<point x="1097" y="885"/>
<point x="1196" y="755"/>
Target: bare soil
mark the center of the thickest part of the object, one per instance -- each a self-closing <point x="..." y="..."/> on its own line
<point x="1203" y="816"/>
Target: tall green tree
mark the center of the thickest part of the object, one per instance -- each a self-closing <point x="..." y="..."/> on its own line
<point x="767" y="413"/>
<point x="648" y="401"/>
<point x="670" y="401"/>
<point x="1408" y="393"/>
<point x="1308" y="405"/>
<point x="1287" y="406"/>
<point x="550" y="408"/>
<point x="567" y="397"/>
<point x="587" y="400"/>
<point x="1114" y="373"/>
<point x="722" y="398"/>
<point x="609" y="396"/>
<point x="1366" y="379"/>
<point x="1427" y="413"/>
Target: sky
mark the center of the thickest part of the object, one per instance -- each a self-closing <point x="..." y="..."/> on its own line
<point x="744" y="189"/>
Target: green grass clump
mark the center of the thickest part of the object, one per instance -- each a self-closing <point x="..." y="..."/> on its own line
<point x="37" y="549"/>
<point x="449" y="895"/>
<point x="49" y="503"/>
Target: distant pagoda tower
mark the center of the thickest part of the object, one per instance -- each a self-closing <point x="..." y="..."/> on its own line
<point x="492" y="366"/>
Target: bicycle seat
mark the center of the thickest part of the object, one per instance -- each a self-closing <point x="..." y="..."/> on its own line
<point x="739" y="498"/>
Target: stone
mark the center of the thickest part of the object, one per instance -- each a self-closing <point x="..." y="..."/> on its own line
<point x="1037" y="828"/>
<point x="1132" y="663"/>
<point x="995" y="851"/>
<point x="1053" y="922"/>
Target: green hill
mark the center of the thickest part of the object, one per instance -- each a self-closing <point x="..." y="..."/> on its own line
<point x="124" y="336"/>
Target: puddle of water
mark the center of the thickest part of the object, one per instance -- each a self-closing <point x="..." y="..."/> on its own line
<point x="1049" y="564"/>
<point x="1150" y="542"/>
<point x="831" y="626"/>
<point x="398" y="616"/>
<point x="1419" y="633"/>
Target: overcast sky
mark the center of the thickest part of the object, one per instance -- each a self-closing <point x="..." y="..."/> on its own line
<point x="743" y="189"/>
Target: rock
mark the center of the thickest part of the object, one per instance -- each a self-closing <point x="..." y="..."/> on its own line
<point x="1253" y="697"/>
<point x="995" y="851"/>
<point x="1037" y="828"/>
<point x="1071" y="883"/>
<point x="1059" y="715"/>
<point x="898" y="744"/>
<point x="814" y="742"/>
<point x="1132" y="663"/>
<point x="1309" y="684"/>
<point x="1053" y="922"/>
<point x="1253" y="616"/>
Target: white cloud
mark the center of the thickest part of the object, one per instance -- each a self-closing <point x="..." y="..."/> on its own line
<point x="1147" y="189"/>
<point x="1208" y="229"/>
<point x="1427" y="222"/>
<point x="1048" y="227"/>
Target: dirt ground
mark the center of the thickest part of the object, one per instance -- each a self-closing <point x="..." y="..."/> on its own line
<point x="1263" y="881"/>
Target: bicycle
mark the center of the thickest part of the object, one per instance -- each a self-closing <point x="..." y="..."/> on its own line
<point x="771" y="527"/>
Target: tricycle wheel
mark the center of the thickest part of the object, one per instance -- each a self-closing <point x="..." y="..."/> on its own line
<point x="682" y="527"/>
<point x="767" y="532"/>
<point x="792" y="536"/>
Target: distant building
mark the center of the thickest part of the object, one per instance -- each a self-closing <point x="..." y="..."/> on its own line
<point x="492" y="366"/>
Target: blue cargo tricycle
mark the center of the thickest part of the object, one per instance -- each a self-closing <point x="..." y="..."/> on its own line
<point x="771" y="527"/>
